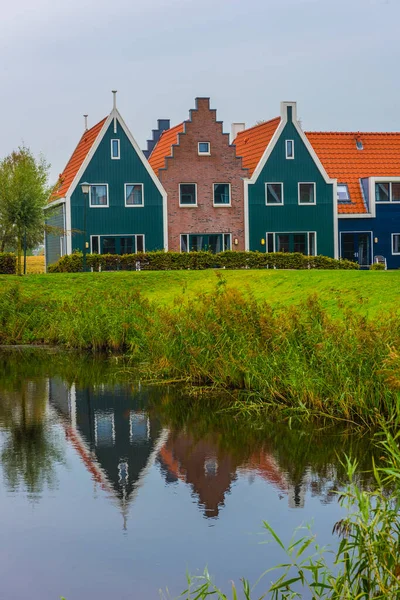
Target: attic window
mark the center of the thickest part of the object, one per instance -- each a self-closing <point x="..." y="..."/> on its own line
<point x="343" y="193"/>
<point x="359" y="144"/>
<point x="115" y="155"/>
<point x="289" y="148"/>
<point x="204" y="148"/>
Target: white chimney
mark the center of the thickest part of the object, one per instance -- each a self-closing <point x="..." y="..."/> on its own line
<point x="235" y="128"/>
<point x="85" y="117"/>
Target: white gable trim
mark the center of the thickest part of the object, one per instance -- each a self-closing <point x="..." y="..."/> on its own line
<point x="114" y="114"/>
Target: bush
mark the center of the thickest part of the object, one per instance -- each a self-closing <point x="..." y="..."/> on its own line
<point x="377" y="267"/>
<point x="8" y="263"/>
<point x="167" y="261"/>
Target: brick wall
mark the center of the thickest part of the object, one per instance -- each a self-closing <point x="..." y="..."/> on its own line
<point x="186" y="166"/>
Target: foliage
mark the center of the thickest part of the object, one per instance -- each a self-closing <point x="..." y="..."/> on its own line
<point x="366" y="564"/>
<point x="8" y="263"/>
<point x="24" y="194"/>
<point x="152" y="261"/>
<point x="377" y="267"/>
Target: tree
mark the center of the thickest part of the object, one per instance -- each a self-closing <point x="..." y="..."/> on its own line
<point x="24" y="194"/>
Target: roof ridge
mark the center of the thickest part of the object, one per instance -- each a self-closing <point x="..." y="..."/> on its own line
<point x="258" y="125"/>
<point x="355" y="133"/>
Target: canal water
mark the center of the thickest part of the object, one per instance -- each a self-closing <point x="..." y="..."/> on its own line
<point x="110" y="489"/>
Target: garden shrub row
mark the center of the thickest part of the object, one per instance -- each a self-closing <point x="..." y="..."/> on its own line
<point x="166" y="261"/>
<point x="8" y="263"/>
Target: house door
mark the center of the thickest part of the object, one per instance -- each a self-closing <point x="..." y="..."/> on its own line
<point x="357" y="247"/>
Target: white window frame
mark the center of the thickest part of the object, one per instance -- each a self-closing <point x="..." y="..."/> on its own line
<point x="348" y="193"/>
<point x="286" y="149"/>
<point x="125" y="195"/>
<point x="117" y="235"/>
<point x="266" y="193"/>
<point x="179" y="192"/>
<point x="298" y="193"/>
<point x="230" y="195"/>
<point x="390" y="201"/>
<point x="204" y="153"/>
<point x="132" y="415"/>
<point x="392" y="236"/>
<point x="119" y="149"/>
<point x="90" y="196"/>
<point x="205" y="233"/>
<point x="100" y="413"/>
<point x="307" y="233"/>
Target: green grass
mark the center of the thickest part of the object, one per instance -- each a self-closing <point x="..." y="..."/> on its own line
<point x="366" y="292"/>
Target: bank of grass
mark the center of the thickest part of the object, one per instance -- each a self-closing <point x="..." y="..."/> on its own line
<point x="312" y="357"/>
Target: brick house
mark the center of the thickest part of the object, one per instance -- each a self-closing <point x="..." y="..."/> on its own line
<point x="203" y="178"/>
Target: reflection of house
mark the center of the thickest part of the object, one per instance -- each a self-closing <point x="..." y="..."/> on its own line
<point x="209" y="472"/>
<point x="115" y="438"/>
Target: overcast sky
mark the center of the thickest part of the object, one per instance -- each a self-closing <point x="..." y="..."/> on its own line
<point x="339" y="59"/>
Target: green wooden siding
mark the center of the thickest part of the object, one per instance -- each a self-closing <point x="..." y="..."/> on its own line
<point x="118" y="219"/>
<point x="53" y="242"/>
<point x="291" y="217"/>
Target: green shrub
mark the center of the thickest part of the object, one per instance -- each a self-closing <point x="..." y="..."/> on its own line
<point x="168" y="261"/>
<point x="377" y="267"/>
<point x="8" y="263"/>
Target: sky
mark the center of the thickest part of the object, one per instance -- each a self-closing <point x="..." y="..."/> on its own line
<point x="339" y="59"/>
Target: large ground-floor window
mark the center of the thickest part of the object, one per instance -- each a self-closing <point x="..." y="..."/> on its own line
<point x="117" y="244"/>
<point x="304" y="242"/>
<point x="211" y="242"/>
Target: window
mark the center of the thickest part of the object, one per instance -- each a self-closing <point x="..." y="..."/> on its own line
<point x="270" y="242"/>
<point x="187" y="194"/>
<point x="140" y="243"/>
<point x="359" y="145"/>
<point x="395" y="243"/>
<point x="204" y="148"/>
<point x="274" y="193"/>
<point x="134" y="194"/>
<point x="222" y="194"/>
<point x="302" y="241"/>
<point x="98" y="195"/>
<point x="306" y="193"/>
<point x="139" y="427"/>
<point x="343" y="193"/>
<point x="115" y="149"/>
<point x="289" y="148"/>
<point x="210" y="242"/>
<point x="104" y="428"/>
<point x="387" y="192"/>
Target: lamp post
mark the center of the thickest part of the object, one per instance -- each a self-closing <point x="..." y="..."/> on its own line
<point x="85" y="190"/>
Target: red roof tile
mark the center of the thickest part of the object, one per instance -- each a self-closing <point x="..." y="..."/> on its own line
<point x="342" y="160"/>
<point x="163" y="148"/>
<point x="251" y="143"/>
<point x="80" y="153"/>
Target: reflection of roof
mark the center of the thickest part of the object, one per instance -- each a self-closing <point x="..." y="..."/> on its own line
<point x="163" y="148"/>
<point x="264" y="465"/>
<point x="338" y="152"/>
<point x="251" y="143"/>
<point x="75" y="162"/>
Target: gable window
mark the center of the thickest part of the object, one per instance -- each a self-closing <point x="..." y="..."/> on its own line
<point x="343" y="193"/>
<point x="222" y="194"/>
<point x="289" y="148"/>
<point x="98" y="195"/>
<point x="115" y="155"/>
<point x="306" y="193"/>
<point x="204" y="148"/>
<point x="387" y="192"/>
<point x="395" y="243"/>
<point x="274" y="193"/>
<point x="134" y="194"/>
<point x="187" y="194"/>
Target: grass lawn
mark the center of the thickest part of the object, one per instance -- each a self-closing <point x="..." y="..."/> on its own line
<point x="367" y="292"/>
<point x="34" y="264"/>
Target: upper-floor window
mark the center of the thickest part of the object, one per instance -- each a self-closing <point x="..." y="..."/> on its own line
<point x="204" y="148"/>
<point x="387" y="192"/>
<point x="343" y="193"/>
<point x="98" y="195"/>
<point x="306" y="193"/>
<point x="187" y="194"/>
<point x="115" y="148"/>
<point x="274" y="193"/>
<point x="289" y="148"/>
<point x="134" y="194"/>
<point x="222" y="194"/>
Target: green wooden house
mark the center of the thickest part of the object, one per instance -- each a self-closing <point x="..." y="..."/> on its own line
<point x="290" y="200"/>
<point x="109" y="199"/>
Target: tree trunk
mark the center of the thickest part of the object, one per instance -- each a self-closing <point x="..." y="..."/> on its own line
<point x="19" y="253"/>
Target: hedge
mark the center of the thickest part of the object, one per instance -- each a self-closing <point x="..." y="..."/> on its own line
<point x="8" y="263"/>
<point x="166" y="261"/>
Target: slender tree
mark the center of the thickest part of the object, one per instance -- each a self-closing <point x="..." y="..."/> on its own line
<point x="24" y="194"/>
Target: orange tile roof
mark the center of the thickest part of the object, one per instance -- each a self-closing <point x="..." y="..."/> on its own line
<point x="163" y="148"/>
<point x="78" y="156"/>
<point x="251" y="143"/>
<point x="342" y="160"/>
